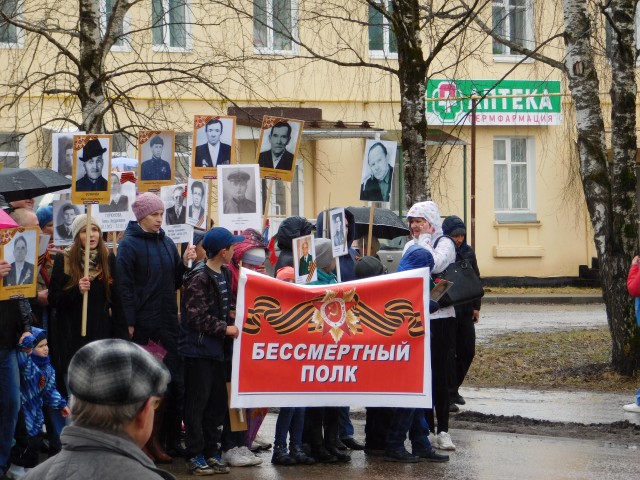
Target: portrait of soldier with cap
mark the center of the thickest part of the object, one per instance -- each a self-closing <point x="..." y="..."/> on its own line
<point x="92" y="163"/>
<point x="155" y="168"/>
<point x="236" y="184"/>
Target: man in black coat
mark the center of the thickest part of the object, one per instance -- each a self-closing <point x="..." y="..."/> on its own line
<point x="214" y="148"/>
<point x="278" y="157"/>
<point x="92" y="163"/>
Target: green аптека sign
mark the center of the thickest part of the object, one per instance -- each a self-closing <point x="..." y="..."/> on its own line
<point x="530" y="102"/>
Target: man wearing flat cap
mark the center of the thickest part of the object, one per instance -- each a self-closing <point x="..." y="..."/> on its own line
<point x="92" y="162"/>
<point x="237" y="202"/>
<point x="115" y="386"/>
<point x="155" y="168"/>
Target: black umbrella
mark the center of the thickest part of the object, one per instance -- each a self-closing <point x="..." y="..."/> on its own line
<point x="386" y="223"/>
<point x="21" y="183"/>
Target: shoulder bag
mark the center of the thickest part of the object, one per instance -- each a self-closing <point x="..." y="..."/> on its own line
<point x="467" y="285"/>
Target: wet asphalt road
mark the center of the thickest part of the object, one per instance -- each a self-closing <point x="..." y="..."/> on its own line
<point x="482" y="455"/>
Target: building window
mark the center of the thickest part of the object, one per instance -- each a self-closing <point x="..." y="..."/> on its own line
<point x="382" y="40"/>
<point x="10" y="149"/>
<point x="118" y="31"/>
<point x="513" y="175"/>
<point x="513" y="20"/>
<point x="170" y="26"/>
<point x="274" y="26"/>
<point x="9" y="34"/>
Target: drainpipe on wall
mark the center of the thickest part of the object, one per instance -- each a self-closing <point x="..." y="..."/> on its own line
<point x="474" y="103"/>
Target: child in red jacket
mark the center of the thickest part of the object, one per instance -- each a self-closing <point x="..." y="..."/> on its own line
<point x="633" y="285"/>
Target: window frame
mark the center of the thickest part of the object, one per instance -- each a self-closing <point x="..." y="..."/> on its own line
<point x="511" y="214"/>
<point x="126" y="28"/>
<point x="20" y="154"/>
<point x="286" y="189"/>
<point x="385" y="53"/>
<point x="166" y="47"/>
<point x="20" y="33"/>
<point x="529" y="38"/>
<point x="268" y="49"/>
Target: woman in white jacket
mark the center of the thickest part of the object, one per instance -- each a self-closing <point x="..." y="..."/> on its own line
<point x="426" y="228"/>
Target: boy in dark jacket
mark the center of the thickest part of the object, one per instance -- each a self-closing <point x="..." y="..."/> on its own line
<point x="208" y="309"/>
<point x="467" y="315"/>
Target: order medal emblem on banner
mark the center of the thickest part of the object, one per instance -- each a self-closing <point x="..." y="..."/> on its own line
<point x="357" y="343"/>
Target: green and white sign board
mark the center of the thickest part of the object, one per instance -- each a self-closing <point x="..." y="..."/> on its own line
<point x="506" y="103"/>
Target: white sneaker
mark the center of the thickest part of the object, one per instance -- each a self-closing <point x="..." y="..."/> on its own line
<point x="261" y="442"/>
<point x="16" y="472"/>
<point x="632" y="407"/>
<point x="250" y="455"/>
<point x="234" y="458"/>
<point x="444" y="441"/>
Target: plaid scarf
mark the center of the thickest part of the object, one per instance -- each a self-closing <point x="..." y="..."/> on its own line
<point x="94" y="268"/>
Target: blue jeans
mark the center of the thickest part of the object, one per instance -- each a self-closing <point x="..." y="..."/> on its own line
<point x="344" y="423"/>
<point x="290" y="420"/>
<point x="410" y="420"/>
<point x="9" y="402"/>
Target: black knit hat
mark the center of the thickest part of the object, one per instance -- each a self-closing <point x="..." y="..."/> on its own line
<point x="368" y="267"/>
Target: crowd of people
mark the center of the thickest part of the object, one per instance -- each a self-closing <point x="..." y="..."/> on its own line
<point x="149" y="379"/>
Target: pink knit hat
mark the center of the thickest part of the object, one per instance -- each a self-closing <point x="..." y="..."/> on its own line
<point x="285" y="273"/>
<point x="146" y="204"/>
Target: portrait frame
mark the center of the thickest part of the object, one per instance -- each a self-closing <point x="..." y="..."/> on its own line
<point x="61" y="143"/>
<point x="201" y="221"/>
<point x="81" y="191"/>
<point x="370" y="189"/>
<point x="290" y="154"/>
<point x="115" y="216"/>
<point x="59" y="207"/>
<point x="23" y="284"/>
<point x="304" y="274"/>
<point x="238" y="216"/>
<point x="200" y="149"/>
<point x="152" y="178"/>
<point x="338" y="235"/>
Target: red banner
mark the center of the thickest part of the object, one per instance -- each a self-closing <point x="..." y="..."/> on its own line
<point x="362" y="343"/>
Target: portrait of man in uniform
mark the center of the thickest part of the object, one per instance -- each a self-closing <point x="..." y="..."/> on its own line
<point x="305" y="259"/>
<point x="155" y="168"/>
<point x="92" y="164"/>
<point x="338" y="229"/>
<point x="235" y="188"/>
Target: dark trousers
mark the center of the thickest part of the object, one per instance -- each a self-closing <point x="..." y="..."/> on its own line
<point x="376" y="427"/>
<point x="321" y="426"/>
<point x="26" y="450"/>
<point x="440" y="339"/>
<point x="205" y="404"/>
<point x="412" y="421"/>
<point x="465" y="348"/>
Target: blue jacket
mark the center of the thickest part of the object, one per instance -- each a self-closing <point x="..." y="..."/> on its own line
<point x="149" y="271"/>
<point x="37" y="388"/>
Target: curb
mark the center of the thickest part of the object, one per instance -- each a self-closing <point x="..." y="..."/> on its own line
<point x="549" y="299"/>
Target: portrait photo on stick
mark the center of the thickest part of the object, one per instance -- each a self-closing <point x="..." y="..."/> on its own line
<point x="377" y="170"/>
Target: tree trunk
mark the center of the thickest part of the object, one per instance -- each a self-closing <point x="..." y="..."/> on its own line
<point x="90" y="83"/>
<point x="609" y="189"/>
<point x="412" y="78"/>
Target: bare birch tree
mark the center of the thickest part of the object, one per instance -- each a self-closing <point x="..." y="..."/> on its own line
<point x="609" y="182"/>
